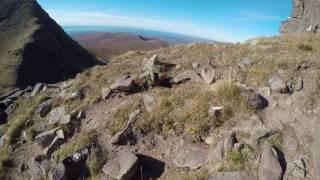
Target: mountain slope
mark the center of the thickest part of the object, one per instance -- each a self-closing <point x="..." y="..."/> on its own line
<point x="107" y="45"/>
<point x="34" y="48"/>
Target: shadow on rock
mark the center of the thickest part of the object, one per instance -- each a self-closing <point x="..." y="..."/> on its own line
<point x="149" y="168"/>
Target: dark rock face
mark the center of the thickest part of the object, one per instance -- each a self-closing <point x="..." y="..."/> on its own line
<point x="305" y="17"/>
<point x="34" y="48"/>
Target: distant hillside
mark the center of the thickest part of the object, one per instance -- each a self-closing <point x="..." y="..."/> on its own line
<point x="34" y="48"/>
<point x="107" y="45"/>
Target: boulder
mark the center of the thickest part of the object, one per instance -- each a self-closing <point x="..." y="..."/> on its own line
<point x="6" y="103"/>
<point x="277" y="84"/>
<point x="232" y="176"/>
<point x="37" y="88"/>
<point x="149" y="102"/>
<point x="122" y="167"/>
<point x="44" y="108"/>
<point x="8" y="94"/>
<point x="149" y="67"/>
<point x="244" y="62"/>
<point x="123" y="84"/>
<point x="45" y="138"/>
<point x="208" y="74"/>
<point x="57" y="114"/>
<point x="3" y="117"/>
<point x="126" y="135"/>
<point x="192" y="157"/>
<point x="11" y="108"/>
<point x="188" y="75"/>
<point x="304" y="18"/>
<point x="270" y="167"/>
<point x="265" y="92"/>
<point x="16" y="95"/>
<point x="254" y="100"/>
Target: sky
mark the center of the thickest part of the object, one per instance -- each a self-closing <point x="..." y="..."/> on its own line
<point x="222" y="20"/>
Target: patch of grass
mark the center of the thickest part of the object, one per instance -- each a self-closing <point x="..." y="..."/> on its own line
<point x="77" y="142"/>
<point x="16" y="125"/>
<point x="305" y="47"/>
<point x="313" y="99"/>
<point x="228" y="95"/>
<point x="276" y="140"/>
<point x="200" y="174"/>
<point x="121" y="115"/>
<point x="184" y="110"/>
<point x="236" y="160"/>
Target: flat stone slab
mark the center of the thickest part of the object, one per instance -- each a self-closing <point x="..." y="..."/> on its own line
<point x="123" y="167"/>
<point x="191" y="157"/>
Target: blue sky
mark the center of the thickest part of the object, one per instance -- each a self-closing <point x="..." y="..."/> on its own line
<point x="225" y="20"/>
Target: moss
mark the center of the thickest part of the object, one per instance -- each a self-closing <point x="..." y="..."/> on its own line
<point x="236" y="160"/>
<point x="77" y="142"/>
<point x="200" y="174"/>
<point x="276" y="140"/>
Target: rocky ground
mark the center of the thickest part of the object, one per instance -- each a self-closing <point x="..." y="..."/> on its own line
<point x="199" y="111"/>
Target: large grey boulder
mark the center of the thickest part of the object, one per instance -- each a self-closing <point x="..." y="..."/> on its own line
<point x="305" y="17"/>
<point x="59" y="116"/>
<point x="122" y="167"/>
<point x="277" y="84"/>
<point x="270" y="167"/>
<point x="208" y="74"/>
<point x="123" y="84"/>
<point x="232" y="176"/>
<point x="192" y="157"/>
<point x="189" y="75"/>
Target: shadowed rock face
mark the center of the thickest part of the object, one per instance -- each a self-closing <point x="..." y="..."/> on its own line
<point x="34" y="48"/>
<point x="305" y="17"/>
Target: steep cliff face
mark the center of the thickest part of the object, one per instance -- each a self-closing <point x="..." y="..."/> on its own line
<point x="305" y="17"/>
<point x="34" y="48"/>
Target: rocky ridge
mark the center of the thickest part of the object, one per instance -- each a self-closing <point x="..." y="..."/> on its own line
<point x="305" y="17"/>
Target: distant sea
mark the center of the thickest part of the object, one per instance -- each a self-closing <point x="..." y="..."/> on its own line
<point x="166" y="36"/>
